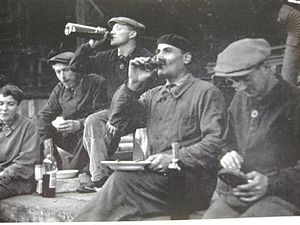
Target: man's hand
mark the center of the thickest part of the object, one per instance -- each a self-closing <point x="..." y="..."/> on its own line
<point x="136" y="73"/>
<point x="232" y="160"/>
<point x="111" y="129"/>
<point x="159" y="162"/>
<point x="96" y="43"/>
<point x="68" y="126"/>
<point x="254" y="190"/>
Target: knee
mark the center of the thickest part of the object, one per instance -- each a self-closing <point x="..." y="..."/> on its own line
<point x="96" y="119"/>
<point x="119" y="179"/>
<point x="89" y="120"/>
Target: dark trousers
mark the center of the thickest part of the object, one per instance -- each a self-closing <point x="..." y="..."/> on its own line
<point x="134" y="195"/>
<point x="128" y="196"/>
<point x="71" y="143"/>
<point x="228" y="207"/>
<point x="5" y="192"/>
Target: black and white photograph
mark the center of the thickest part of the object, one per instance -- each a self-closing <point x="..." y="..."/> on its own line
<point x="150" y="111"/>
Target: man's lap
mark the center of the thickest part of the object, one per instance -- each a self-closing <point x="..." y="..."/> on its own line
<point x="267" y="206"/>
<point x="5" y="192"/>
<point x="128" y="195"/>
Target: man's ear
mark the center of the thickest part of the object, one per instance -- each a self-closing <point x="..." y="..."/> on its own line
<point x="132" y="34"/>
<point x="187" y="58"/>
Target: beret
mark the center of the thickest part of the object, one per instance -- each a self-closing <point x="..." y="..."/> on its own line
<point x="175" y="40"/>
<point x="64" y="58"/>
<point x="140" y="28"/>
<point x="241" y="57"/>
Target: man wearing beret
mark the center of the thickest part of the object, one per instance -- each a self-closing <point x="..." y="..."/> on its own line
<point x="262" y="136"/>
<point x="75" y="97"/>
<point x="184" y="110"/>
<point x="113" y="65"/>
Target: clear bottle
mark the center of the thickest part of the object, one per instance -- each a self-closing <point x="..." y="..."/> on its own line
<point x="84" y="31"/>
<point x="50" y="170"/>
<point x="177" y="186"/>
<point x="38" y="176"/>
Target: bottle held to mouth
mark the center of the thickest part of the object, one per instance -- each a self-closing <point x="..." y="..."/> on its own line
<point x="153" y="64"/>
<point x="84" y="31"/>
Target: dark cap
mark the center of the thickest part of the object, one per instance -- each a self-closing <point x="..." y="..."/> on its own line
<point x="140" y="28"/>
<point x="241" y="57"/>
<point x="176" y="41"/>
<point x="64" y="58"/>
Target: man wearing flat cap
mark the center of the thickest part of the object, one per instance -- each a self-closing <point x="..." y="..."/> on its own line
<point x="75" y="97"/>
<point x="262" y="136"/>
<point x="185" y="110"/>
<point x="113" y="65"/>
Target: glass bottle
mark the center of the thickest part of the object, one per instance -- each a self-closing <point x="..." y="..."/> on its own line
<point x="38" y="173"/>
<point x="177" y="186"/>
<point x="84" y="31"/>
<point x="50" y="170"/>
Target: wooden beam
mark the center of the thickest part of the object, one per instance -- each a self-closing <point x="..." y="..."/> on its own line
<point x="101" y="14"/>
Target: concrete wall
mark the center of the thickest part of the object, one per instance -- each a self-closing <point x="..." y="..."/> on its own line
<point x="30" y="107"/>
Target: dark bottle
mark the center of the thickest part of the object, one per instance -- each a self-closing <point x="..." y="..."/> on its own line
<point x="177" y="186"/>
<point x="50" y="170"/>
<point x="152" y="64"/>
<point x="38" y="173"/>
<point x="84" y="31"/>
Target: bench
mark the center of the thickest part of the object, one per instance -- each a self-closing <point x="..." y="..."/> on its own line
<point x="62" y="208"/>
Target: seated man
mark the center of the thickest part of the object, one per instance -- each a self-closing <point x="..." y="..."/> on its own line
<point x="18" y="145"/>
<point x="74" y="98"/>
<point x="113" y="65"/>
<point x="184" y="110"/>
<point x="262" y="135"/>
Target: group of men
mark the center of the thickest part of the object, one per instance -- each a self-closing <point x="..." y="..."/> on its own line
<point x="259" y="134"/>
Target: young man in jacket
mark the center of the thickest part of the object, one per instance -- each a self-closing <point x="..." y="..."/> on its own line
<point x="262" y="136"/>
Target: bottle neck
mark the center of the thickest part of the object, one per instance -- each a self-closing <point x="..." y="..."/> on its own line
<point x="175" y="157"/>
<point x="48" y="143"/>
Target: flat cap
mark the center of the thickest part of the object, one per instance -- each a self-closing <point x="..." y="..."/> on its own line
<point x="241" y="57"/>
<point x="140" y="28"/>
<point x="175" y="40"/>
<point x="64" y="58"/>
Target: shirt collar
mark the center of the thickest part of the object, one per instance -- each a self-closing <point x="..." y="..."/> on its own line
<point x="8" y="129"/>
<point x="78" y="86"/>
<point x="179" y="89"/>
<point x="177" y="83"/>
<point x="121" y="56"/>
<point x="76" y="90"/>
<point x="270" y="96"/>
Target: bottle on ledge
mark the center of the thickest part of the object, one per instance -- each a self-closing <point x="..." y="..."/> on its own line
<point x="38" y="176"/>
<point x="177" y="186"/>
<point x="84" y="31"/>
<point x="50" y="169"/>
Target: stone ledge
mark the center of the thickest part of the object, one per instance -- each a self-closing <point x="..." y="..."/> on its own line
<point x="62" y="208"/>
<point x="34" y="208"/>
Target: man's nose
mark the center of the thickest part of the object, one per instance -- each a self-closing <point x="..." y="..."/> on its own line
<point x="4" y="107"/>
<point x="239" y="85"/>
<point x="159" y="56"/>
<point x="62" y="75"/>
